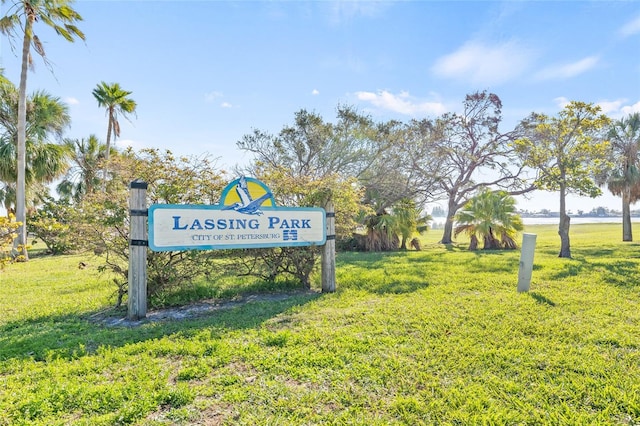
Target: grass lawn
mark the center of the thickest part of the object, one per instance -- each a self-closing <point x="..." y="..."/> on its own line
<point x="433" y="337"/>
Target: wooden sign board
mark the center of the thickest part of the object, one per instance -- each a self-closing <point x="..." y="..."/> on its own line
<point x="246" y="217"/>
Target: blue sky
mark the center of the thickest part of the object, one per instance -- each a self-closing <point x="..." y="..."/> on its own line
<point x="205" y="73"/>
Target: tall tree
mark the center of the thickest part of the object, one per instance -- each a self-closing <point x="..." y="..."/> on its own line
<point x="624" y="181"/>
<point x="567" y="151"/>
<point x="47" y="117"/>
<point x="19" y="21"/>
<point x="474" y="155"/>
<point x="314" y="153"/>
<point x="116" y="102"/>
<point x="83" y="177"/>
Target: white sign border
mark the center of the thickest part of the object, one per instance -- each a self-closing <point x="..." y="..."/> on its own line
<point x="235" y="245"/>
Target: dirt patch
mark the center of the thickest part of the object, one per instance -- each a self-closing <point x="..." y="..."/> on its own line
<point x="202" y="308"/>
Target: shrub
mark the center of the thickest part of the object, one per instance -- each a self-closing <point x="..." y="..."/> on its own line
<point x="270" y="264"/>
<point x="8" y="227"/>
<point x="51" y="225"/>
<point x="102" y="219"/>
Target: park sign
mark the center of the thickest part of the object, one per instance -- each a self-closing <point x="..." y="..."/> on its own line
<point x="246" y="217"/>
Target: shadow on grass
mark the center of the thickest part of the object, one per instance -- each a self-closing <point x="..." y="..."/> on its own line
<point x="369" y="259"/>
<point x="73" y="336"/>
<point x="568" y="270"/>
<point x="624" y="273"/>
<point x="606" y="263"/>
<point x="394" y="285"/>
<point x="542" y="299"/>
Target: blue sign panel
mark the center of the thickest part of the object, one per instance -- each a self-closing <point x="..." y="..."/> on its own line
<point x="246" y="217"/>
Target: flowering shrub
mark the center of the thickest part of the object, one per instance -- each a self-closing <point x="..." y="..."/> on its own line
<point x="8" y="227"/>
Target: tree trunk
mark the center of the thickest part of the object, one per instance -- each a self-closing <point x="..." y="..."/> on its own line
<point x="105" y="169"/>
<point x="490" y="241"/>
<point x="21" y="186"/>
<point x="109" y="127"/>
<point x="626" y="215"/>
<point x="403" y="243"/>
<point x="473" y="243"/>
<point x="448" y="224"/>
<point x="563" y="229"/>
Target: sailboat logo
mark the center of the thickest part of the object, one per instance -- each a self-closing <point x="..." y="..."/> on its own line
<point x="246" y="203"/>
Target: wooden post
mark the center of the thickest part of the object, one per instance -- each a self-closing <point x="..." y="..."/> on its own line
<point x="138" y="243"/>
<point x="329" y="252"/>
<point x="526" y="262"/>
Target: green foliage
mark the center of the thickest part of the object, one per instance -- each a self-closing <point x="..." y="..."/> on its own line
<point x="103" y="217"/>
<point x="490" y="215"/>
<point x="388" y="231"/>
<point x="47" y="117"/>
<point x="294" y="190"/>
<point x="50" y="224"/>
<point x="83" y="175"/>
<point x="568" y="150"/>
<point x="8" y="227"/>
<point x="116" y="102"/>
<point x="410" y="222"/>
<point x="624" y="142"/>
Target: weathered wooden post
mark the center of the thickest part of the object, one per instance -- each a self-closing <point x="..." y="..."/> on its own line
<point x="526" y="262"/>
<point x="329" y="252"/>
<point x="138" y="242"/>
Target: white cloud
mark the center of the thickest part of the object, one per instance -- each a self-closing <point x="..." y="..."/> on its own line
<point x="212" y="96"/>
<point x="346" y="10"/>
<point x="565" y="71"/>
<point x="561" y="101"/>
<point x="611" y="107"/>
<point x="402" y="103"/>
<point x="135" y="145"/>
<point x="630" y="109"/>
<point x="315" y="92"/>
<point x="483" y="64"/>
<point x="630" y="28"/>
<point x="72" y="101"/>
<point x="619" y="108"/>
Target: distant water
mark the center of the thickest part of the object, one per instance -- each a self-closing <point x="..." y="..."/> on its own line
<point x="438" y="222"/>
<point x="574" y="220"/>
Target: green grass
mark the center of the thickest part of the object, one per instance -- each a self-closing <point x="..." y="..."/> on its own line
<point x="433" y="337"/>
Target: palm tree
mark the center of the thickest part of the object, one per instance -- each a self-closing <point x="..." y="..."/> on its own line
<point x="624" y="137"/>
<point x="490" y="215"/>
<point x="382" y="232"/>
<point x="409" y="220"/>
<point x="83" y="175"/>
<point x="37" y="193"/>
<point x="47" y="116"/>
<point x="19" y="22"/>
<point x="116" y="101"/>
<point x="387" y="231"/>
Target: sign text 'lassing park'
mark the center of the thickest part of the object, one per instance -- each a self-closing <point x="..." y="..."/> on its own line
<point x="246" y="217"/>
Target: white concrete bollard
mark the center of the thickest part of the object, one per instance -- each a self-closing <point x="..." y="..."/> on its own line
<point x="526" y="262"/>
